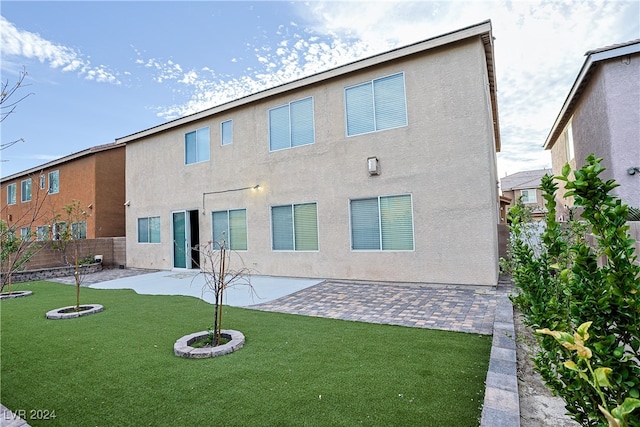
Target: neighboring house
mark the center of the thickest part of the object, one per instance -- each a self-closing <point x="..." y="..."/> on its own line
<point x="525" y="186"/>
<point x="505" y="204"/>
<point x="94" y="177"/>
<point x="601" y="115"/>
<point x="382" y="170"/>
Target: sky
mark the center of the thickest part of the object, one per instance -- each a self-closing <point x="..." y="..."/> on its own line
<point x="97" y="71"/>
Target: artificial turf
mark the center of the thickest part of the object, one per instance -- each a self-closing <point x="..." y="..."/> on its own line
<point x="117" y="367"/>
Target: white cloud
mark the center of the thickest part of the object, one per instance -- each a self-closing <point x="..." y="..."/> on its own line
<point x="17" y="43"/>
<point x="539" y="49"/>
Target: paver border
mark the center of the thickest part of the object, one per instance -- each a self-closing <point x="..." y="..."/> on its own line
<point x="57" y="315"/>
<point x="182" y="346"/>
<point x="15" y="294"/>
<point x="501" y="397"/>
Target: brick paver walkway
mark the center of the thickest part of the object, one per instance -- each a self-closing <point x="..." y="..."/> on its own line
<point x="446" y="307"/>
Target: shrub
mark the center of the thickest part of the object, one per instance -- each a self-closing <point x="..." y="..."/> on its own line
<point x="568" y="282"/>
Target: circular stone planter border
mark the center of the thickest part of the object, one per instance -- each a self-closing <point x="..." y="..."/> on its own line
<point x="86" y="309"/>
<point x="15" y="294"/>
<point x="182" y="347"/>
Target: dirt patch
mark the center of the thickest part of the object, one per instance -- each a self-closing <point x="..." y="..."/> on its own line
<point x="538" y="407"/>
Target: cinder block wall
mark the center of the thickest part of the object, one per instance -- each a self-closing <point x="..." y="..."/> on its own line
<point x="119" y="252"/>
<point x="112" y="250"/>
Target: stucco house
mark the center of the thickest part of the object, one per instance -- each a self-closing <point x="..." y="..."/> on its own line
<point x="601" y="115"/>
<point x="383" y="169"/>
<point x="525" y="186"/>
<point x="31" y="199"/>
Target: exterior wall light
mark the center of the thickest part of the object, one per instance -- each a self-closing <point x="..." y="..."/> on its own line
<point x="373" y="166"/>
<point x="632" y="170"/>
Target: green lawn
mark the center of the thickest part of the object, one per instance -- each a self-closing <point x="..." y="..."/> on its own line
<point x="117" y="368"/>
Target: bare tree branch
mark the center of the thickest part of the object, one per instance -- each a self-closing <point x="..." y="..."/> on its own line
<point x="8" y="103"/>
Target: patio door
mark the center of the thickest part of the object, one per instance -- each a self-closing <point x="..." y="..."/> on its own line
<point x="186" y="233"/>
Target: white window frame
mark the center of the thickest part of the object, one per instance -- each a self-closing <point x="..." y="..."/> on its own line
<point x="528" y="192"/>
<point x="198" y="144"/>
<point x="25" y="234"/>
<point x="292" y="125"/>
<point x="293" y="229"/>
<point x="380" y="224"/>
<point x="25" y="190"/>
<point x="56" y="181"/>
<point x="43" y="232"/>
<point x="375" y="117"/>
<point x="149" y="228"/>
<point x="79" y="230"/>
<point x="230" y="231"/>
<point x="43" y="182"/>
<point x="12" y="190"/>
<point x="58" y="230"/>
<point x="229" y="133"/>
<point x="568" y="138"/>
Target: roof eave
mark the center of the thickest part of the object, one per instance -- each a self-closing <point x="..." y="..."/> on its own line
<point x="593" y="58"/>
<point x="482" y="29"/>
<point x="61" y="160"/>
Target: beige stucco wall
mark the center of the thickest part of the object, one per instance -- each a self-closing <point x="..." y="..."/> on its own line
<point x="538" y="207"/>
<point x="444" y="158"/>
<point x="606" y="122"/>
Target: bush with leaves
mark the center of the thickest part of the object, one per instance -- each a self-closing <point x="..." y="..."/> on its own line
<point x="569" y="281"/>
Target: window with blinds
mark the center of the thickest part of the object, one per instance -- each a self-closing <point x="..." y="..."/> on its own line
<point x="376" y="105"/>
<point x="382" y="223"/>
<point x="230" y="226"/>
<point x="291" y="125"/>
<point x="294" y="227"/>
<point x="149" y="230"/>
<point x="196" y="146"/>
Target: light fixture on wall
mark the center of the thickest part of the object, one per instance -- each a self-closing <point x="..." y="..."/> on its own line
<point x="253" y="188"/>
<point x="373" y="165"/>
<point x="632" y="170"/>
<point x="127" y="203"/>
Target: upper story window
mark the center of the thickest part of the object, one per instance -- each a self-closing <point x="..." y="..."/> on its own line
<point x="54" y="182"/>
<point x="25" y="190"/>
<point x="382" y="223"/>
<point x="295" y="227"/>
<point x="149" y="230"/>
<point x="226" y="132"/>
<point x="43" y="182"/>
<point x="528" y="196"/>
<point x="196" y="146"/>
<point x="11" y="194"/>
<point x="291" y="125"/>
<point x="230" y="226"/>
<point x="376" y="105"/>
<point x="568" y="138"/>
